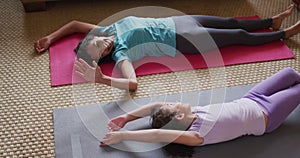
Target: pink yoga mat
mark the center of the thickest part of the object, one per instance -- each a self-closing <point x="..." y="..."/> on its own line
<point x="62" y="59"/>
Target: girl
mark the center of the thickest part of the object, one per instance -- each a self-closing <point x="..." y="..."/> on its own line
<point x="133" y="38"/>
<point x="261" y="110"/>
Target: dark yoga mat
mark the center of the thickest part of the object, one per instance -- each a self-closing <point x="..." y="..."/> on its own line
<point x="77" y="132"/>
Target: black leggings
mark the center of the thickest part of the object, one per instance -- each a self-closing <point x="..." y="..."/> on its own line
<point x="200" y="33"/>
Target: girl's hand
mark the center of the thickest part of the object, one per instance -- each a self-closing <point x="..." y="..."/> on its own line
<point x="111" y="138"/>
<point x="117" y="123"/>
<point x="89" y="73"/>
<point x="42" y="44"/>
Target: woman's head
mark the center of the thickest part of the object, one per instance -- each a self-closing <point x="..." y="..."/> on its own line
<point x="94" y="48"/>
<point x="171" y="116"/>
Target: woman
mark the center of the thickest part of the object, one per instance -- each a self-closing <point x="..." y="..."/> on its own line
<point x="261" y="110"/>
<point x="132" y="38"/>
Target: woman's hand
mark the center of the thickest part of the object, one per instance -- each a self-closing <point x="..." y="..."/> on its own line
<point x="117" y="123"/>
<point x="111" y="138"/>
<point x="94" y="74"/>
<point x="42" y="44"/>
<point x="89" y="73"/>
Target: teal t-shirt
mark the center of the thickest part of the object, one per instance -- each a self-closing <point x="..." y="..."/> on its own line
<point x="137" y="37"/>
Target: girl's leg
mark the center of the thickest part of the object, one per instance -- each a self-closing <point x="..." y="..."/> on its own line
<point x="280" y="105"/>
<point x="278" y="96"/>
<point x="281" y="80"/>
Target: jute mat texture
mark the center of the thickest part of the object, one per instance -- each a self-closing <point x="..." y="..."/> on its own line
<point x="27" y="99"/>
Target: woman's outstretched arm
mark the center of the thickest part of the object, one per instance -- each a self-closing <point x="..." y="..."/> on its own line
<point x="129" y="81"/>
<point x="94" y="74"/>
<point x="69" y="28"/>
<point x="189" y="138"/>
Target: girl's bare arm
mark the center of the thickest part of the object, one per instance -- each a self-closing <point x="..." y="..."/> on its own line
<point x="117" y="123"/>
<point x="189" y="138"/>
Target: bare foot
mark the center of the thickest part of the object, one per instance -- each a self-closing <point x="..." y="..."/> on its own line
<point x="293" y="30"/>
<point x="277" y="19"/>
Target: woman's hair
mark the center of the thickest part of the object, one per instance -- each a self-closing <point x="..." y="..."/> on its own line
<point x="81" y="51"/>
<point x="165" y="119"/>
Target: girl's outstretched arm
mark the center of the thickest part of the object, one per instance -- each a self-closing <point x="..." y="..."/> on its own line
<point x="69" y="28"/>
<point x="189" y="138"/>
<point x="117" y="123"/>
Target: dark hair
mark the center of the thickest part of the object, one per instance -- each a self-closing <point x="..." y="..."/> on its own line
<point x="165" y="119"/>
<point x="178" y="150"/>
<point x="81" y="51"/>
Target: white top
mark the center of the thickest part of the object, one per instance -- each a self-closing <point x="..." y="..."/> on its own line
<point x="226" y="121"/>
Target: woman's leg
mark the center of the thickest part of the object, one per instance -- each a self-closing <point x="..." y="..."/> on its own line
<point x="227" y="37"/>
<point x="232" y="23"/>
<point x="245" y="24"/>
<point x="191" y="38"/>
<point x="278" y="96"/>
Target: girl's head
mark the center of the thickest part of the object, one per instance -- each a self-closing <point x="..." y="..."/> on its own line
<point x="95" y="48"/>
<point x="171" y="116"/>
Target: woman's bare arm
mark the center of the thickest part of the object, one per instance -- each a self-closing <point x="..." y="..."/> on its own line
<point x="129" y="81"/>
<point x="94" y="74"/>
<point x="69" y="28"/>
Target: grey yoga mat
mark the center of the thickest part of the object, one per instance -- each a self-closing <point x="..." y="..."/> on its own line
<point x="77" y="131"/>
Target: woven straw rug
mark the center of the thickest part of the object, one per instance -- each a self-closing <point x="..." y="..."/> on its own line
<point x="27" y="100"/>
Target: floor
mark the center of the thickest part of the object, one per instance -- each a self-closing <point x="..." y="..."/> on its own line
<point x="27" y="99"/>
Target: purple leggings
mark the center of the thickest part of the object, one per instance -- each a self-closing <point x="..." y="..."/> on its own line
<point x="278" y="95"/>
